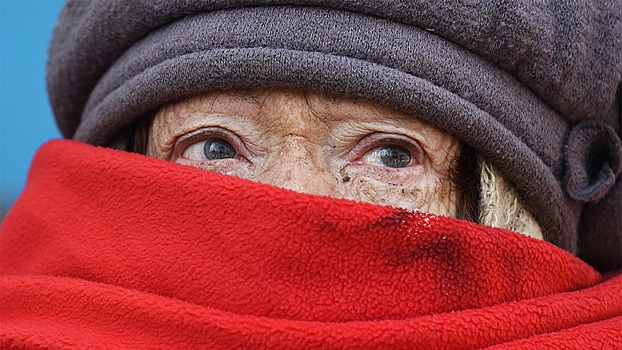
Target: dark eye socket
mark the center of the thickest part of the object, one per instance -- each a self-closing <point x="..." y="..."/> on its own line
<point x="216" y="148"/>
<point x="394" y="156"/>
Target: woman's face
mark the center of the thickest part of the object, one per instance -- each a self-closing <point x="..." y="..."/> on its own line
<point x="312" y="143"/>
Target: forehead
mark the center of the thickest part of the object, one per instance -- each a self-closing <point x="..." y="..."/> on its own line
<point x="260" y="102"/>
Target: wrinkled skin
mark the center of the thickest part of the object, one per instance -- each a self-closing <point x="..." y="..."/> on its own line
<point x="312" y="143"/>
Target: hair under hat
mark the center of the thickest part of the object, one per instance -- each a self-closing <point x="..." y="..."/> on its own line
<point x="530" y="86"/>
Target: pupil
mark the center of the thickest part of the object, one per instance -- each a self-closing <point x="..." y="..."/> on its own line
<point x="218" y="149"/>
<point x="395" y="157"/>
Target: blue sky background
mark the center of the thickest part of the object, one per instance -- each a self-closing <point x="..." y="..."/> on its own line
<point x="26" y="119"/>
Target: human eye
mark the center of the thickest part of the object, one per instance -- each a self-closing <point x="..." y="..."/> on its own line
<point x="392" y="156"/>
<point x="388" y="151"/>
<point x="209" y="145"/>
<point x="210" y="149"/>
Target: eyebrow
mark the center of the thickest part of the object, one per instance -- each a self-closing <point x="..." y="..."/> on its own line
<point x="242" y="95"/>
<point x="247" y="96"/>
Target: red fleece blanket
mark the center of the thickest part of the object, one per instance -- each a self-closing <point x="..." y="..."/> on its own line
<point x="106" y="249"/>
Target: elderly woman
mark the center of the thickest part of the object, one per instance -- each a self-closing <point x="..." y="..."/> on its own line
<point x="422" y="175"/>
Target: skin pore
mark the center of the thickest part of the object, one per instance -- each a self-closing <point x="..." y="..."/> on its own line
<point x="312" y="143"/>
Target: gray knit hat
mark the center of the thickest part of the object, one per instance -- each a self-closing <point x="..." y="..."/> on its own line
<point x="530" y="85"/>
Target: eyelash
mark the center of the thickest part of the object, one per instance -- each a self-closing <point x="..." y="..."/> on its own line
<point x="373" y="141"/>
<point x="363" y="147"/>
<point x="187" y="140"/>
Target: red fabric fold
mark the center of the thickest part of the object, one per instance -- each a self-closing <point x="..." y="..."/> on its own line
<point x="108" y="249"/>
